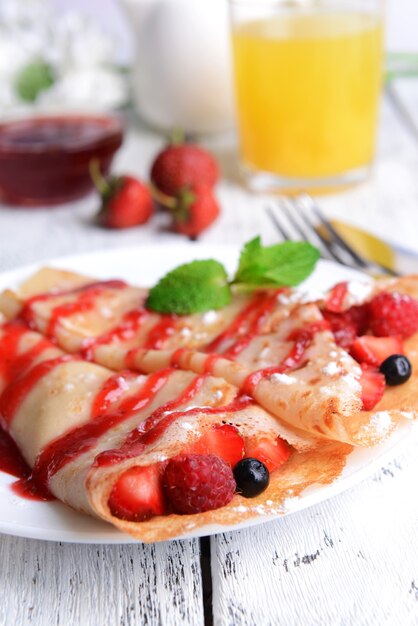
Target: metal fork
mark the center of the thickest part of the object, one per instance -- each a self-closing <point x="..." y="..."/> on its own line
<point x="300" y="217"/>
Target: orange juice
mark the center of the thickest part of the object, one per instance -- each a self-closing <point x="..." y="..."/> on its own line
<point x="307" y="88"/>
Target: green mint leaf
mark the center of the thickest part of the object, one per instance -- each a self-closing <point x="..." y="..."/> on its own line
<point x="32" y="79"/>
<point x="191" y="288"/>
<point x="281" y="265"/>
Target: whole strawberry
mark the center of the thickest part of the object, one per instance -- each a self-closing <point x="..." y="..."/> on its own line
<point x="182" y="165"/>
<point x="196" y="209"/>
<point x="126" y="201"/>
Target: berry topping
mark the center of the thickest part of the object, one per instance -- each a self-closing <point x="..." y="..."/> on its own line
<point x="343" y="330"/>
<point x="374" y="350"/>
<point x="194" y="483"/>
<point x="181" y="165"/>
<point x="337" y="295"/>
<point x="271" y="452"/>
<point x="138" y="495"/>
<point x="252" y="477"/>
<point x="373" y="386"/>
<point x="393" y="314"/>
<point x="347" y="325"/>
<point x="358" y="316"/>
<point x="396" y="369"/>
<point x="224" y="441"/>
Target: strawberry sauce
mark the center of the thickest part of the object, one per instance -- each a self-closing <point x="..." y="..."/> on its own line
<point x="109" y="457"/>
<point x="302" y="338"/>
<point x="131" y="323"/>
<point x="247" y="322"/>
<point x="261" y="314"/>
<point x="160" y="332"/>
<point x="84" y="302"/>
<point x="82" y="438"/>
<point x="154" y="427"/>
<point x="11" y="460"/>
<point x="13" y="396"/>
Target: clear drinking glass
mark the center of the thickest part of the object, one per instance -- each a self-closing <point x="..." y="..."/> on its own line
<point x="307" y="82"/>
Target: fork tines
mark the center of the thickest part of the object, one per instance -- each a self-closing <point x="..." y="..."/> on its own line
<point x="300" y="217"/>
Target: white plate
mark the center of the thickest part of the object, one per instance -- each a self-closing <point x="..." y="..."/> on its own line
<point x="144" y="265"/>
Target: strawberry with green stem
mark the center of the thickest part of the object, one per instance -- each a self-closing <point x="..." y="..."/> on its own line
<point x="182" y="165"/>
<point x="126" y="201"/>
<point x="193" y="209"/>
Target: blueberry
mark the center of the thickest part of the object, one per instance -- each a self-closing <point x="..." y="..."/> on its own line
<point x="252" y="477"/>
<point x="396" y="369"/>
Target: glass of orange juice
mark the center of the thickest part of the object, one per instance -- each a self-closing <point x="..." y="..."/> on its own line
<point x="307" y="83"/>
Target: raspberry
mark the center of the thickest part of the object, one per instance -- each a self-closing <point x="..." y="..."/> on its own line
<point x="393" y="314"/>
<point x="198" y="482"/>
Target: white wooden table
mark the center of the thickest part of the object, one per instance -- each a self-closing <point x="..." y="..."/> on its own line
<point x="350" y="560"/>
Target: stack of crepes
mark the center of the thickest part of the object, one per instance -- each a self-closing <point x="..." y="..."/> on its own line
<point x="93" y="384"/>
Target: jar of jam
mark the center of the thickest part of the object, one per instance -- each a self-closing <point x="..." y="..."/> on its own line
<point x="45" y="160"/>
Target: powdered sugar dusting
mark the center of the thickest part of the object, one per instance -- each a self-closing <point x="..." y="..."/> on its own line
<point x="331" y="368"/>
<point x="210" y="317"/>
<point x="284" y="379"/>
<point x="358" y="292"/>
<point x="379" y="426"/>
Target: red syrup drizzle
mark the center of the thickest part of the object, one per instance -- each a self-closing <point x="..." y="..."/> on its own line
<point x="157" y="423"/>
<point x="18" y="378"/>
<point x="11" y="460"/>
<point x="131" y="322"/>
<point x="257" y="308"/>
<point x="263" y="311"/>
<point x="302" y="338"/>
<point x="72" y="444"/>
<point x="177" y="357"/>
<point x="249" y="321"/>
<point x="12" y="332"/>
<point x="85" y="301"/>
<point x="109" y="457"/>
<point x="209" y="363"/>
<point x="160" y="332"/>
<point x="245" y="326"/>
<point x="15" y="393"/>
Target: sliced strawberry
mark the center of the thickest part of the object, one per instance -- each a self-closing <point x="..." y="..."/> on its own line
<point x="272" y="452"/>
<point x="223" y="441"/>
<point x="343" y="330"/>
<point x="138" y="494"/>
<point x="374" y="350"/>
<point x="336" y="297"/>
<point x="373" y="386"/>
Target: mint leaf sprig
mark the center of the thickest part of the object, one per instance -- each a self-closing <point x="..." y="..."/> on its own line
<point x="203" y="285"/>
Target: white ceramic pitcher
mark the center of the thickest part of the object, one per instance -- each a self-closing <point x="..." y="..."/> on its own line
<point x="182" y="74"/>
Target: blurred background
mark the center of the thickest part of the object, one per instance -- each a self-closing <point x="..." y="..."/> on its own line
<point x="73" y="53"/>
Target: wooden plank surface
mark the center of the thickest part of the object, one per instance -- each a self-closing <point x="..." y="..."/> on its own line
<point x="350" y="560"/>
<point x="50" y="584"/>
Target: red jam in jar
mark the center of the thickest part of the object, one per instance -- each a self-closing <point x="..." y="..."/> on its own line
<point x="45" y="160"/>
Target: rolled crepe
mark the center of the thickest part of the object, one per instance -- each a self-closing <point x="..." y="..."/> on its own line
<point x="80" y="426"/>
<point x="269" y="345"/>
